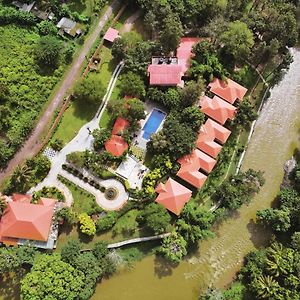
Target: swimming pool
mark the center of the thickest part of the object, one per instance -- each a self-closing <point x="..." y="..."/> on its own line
<point x="153" y="123"/>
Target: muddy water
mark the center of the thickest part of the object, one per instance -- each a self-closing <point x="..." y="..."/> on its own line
<point x="273" y="141"/>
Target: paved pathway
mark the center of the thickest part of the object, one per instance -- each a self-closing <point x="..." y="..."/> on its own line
<point x="31" y="146"/>
<point x="115" y="204"/>
<point x="81" y="142"/>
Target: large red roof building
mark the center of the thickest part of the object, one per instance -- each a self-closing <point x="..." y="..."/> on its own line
<point x="116" y="145"/>
<point x="165" y="75"/>
<point x="23" y="220"/>
<point x="173" y="195"/>
<point x="229" y="90"/>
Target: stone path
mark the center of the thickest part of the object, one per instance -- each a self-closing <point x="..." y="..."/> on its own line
<point x="81" y="142"/>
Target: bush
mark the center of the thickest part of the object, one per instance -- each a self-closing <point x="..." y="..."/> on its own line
<point x="87" y="225"/>
<point x="107" y="222"/>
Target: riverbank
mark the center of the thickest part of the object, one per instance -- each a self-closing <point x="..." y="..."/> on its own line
<point x="218" y="260"/>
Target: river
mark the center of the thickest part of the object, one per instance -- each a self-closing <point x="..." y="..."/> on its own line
<point x="273" y="142"/>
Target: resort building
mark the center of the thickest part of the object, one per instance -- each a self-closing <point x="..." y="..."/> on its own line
<point x="173" y="195"/>
<point x="217" y="109"/>
<point x="111" y="34"/>
<point x="189" y="170"/>
<point x="116" y="145"/>
<point x="184" y="52"/>
<point x="209" y="137"/>
<point x="24" y="222"/>
<point x="165" y="74"/>
<point x="228" y="90"/>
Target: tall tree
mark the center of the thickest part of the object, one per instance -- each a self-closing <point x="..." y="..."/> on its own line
<point x="132" y="85"/>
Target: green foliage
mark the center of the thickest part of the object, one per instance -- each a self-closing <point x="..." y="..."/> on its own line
<point x="194" y="223"/>
<point x="132" y="85"/>
<point x="100" y="137"/>
<point x="76" y="158"/>
<point x="193" y="117"/>
<point x="30" y="173"/>
<point x="48" y="192"/>
<point x="239" y="189"/>
<point x="10" y="15"/>
<point x="107" y="222"/>
<point x="53" y="279"/>
<point x="191" y="92"/>
<point x="173" y="247"/>
<point x="46" y="28"/>
<point x="13" y="258"/>
<point x="156" y="217"/>
<point x="87" y="225"/>
<point x="238" y="39"/>
<point x="278" y="220"/>
<point x="170" y="99"/>
<point x="47" y="52"/>
<point x="245" y="114"/>
<point x="175" y="139"/>
<point x="70" y="251"/>
<point x="57" y="144"/>
<point x="295" y="241"/>
<point x="3" y="205"/>
<point x="150" y="180"/>
<point x="66" y="215"/>
<point x="127" y="223"/>
<point x="27" y="89"/>
<point x="89" y="91"/>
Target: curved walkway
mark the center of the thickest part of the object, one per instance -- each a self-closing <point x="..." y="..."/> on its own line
<point x="115" y="204"/>
<point x="81" y="142"/>
<point x="31" y="146"/>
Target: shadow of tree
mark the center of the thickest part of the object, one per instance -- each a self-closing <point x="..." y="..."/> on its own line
<point x="10" y="285"/>
<point x="259" y="235"/>
<point x="162" y="267"/>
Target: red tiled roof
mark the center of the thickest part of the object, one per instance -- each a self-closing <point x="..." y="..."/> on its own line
<point x="116" y="145"/>
<point x="21" y="198"/>
<point x="111" y="34"/>
<point x="189" y="170"/>
<point x="217" y="109"/>
<point x="165" y="74"/>
<point x="209" y="132"/>
<point x="173" y="195"/>
<point x="120" y="125"/>
<point x="27" y="221"/>
<point x="229" y="91"/>
<point x="199" y="158"/>
<point x="184" y="52"/>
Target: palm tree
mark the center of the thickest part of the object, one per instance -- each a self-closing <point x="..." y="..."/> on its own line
<point x="266" y="287"/>
<point x="21" y="177"/>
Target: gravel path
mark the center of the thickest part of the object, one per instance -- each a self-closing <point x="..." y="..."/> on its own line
<point x="31" y="146"/>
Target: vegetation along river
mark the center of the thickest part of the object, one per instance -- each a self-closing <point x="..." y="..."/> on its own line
<point x="274" y="139"/>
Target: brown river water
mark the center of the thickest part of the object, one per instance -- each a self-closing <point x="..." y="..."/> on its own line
<point x="217" y="261"/>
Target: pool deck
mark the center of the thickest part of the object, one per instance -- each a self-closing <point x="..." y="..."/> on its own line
<point x="139" y="141"/>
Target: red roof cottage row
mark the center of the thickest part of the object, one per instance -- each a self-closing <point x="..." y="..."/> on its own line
<point x="212" y="135"/>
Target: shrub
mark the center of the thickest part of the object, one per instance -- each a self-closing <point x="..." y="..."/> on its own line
<point x="87" y="225"/>
<point x="107" y="222"/>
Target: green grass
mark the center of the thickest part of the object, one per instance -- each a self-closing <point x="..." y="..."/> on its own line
<point x="75" y="116"/>
<point x="81" y="6"/>
<point x="84" y="202"/>
<point x="104" y="119"/>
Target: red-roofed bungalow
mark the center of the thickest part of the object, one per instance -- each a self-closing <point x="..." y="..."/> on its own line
<point x="189" y="170"/>
<point x="116" y="145"/>
<point x="217" y="109"/>
<point x="111" y="34"/>
<point x="165" y="75"/>
<point x="120" y="125"/>
<point x="229" y="90"/>
<point x="26" y="221"/>
<point x="173" y="195"/>
<point x="209" y="132"/>
<point x="184" y="52"/>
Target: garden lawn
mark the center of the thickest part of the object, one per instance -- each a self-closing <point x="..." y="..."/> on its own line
<point x="73" y="119"/>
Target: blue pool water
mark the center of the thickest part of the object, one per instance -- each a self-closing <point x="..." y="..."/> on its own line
<point x="153" y="123"/>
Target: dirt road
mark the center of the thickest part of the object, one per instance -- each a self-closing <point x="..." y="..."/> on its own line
<point x="31" y="145"/>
